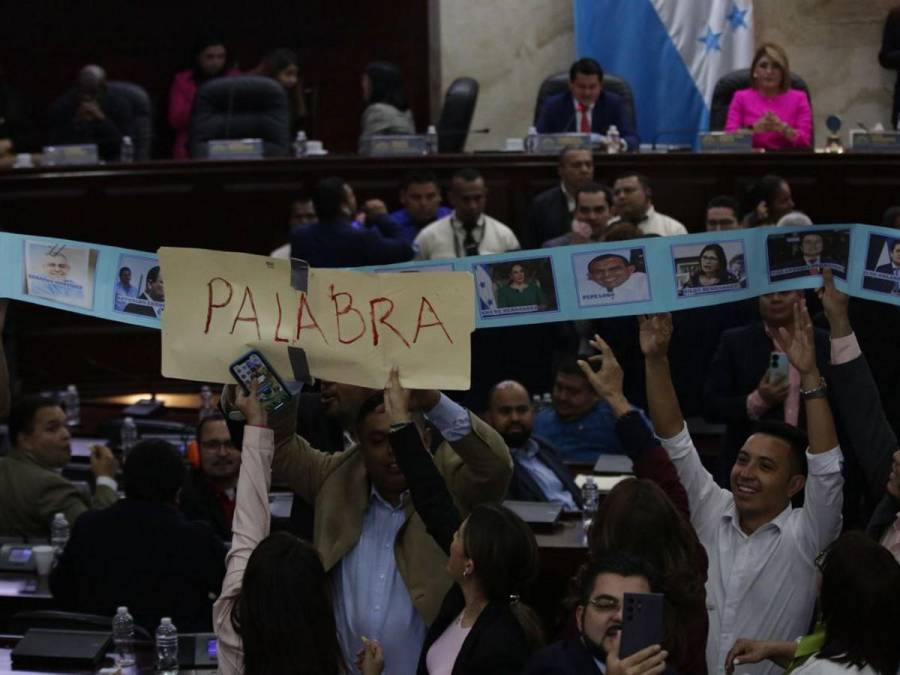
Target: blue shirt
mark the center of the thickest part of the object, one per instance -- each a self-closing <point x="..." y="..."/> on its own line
<point x="409" y="228"/>
<point x="543" y="475"/>
<point x="581" y="440"/>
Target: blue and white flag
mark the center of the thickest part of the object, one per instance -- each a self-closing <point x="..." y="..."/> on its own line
<point x="671" y="52"/>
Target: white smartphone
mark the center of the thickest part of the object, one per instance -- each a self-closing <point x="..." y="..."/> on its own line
<point x="778" y="367"/>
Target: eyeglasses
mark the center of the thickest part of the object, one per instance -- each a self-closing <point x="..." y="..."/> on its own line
<point x="216" y="444"/>
<point x="604" y="604"/>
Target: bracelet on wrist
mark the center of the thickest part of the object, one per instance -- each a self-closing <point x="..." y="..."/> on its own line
<point x="397" y="426"/>
<point x="819" y="391"/>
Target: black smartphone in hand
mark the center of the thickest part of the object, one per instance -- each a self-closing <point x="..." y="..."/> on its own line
<point x="642" y="622"/>
<point x="271" y="391"/>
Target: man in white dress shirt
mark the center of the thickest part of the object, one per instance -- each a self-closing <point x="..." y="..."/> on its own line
<point x="633" y="203"/>
<point x="762" y="552"/>
<point x="468" y="230"/>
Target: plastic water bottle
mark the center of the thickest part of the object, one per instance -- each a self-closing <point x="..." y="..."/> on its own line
<point x="431" y="141"/>
<point x="59" y="533"/>
<point x="300" y="144"/>
<point x="206" y="405"/>
<point x="613" y="140"/>
<point x="166" y="647"/>
<point x="536" y="402"/>
<point x="73" y="406"/>
<point x="547" y="400"/>
<point x="123" y="637"/>
<point x="590" y="498"/>
<point x="531" y="141"/>
<point x="128" y="435"/>
<point x="127" y="150"/>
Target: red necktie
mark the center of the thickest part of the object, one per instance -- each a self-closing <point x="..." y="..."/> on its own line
<point x="585" y="124"/>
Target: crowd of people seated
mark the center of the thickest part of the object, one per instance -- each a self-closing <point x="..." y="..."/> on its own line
<point x="399" y="555"/>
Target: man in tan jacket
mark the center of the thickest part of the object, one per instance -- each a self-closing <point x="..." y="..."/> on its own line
<point x="31" y="487"/>
<point x="387" y="573"/>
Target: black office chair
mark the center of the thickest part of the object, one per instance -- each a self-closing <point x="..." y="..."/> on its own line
<point x="243" y="106"/>
<point x="51" y="619"/>
<point x="456" y="115"/>
<point x="142" y="125"/>
<point x="731" y="82"/>
<point x="559" y="82"/>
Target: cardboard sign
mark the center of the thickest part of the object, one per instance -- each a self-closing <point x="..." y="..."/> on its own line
<point x="351" y="326"/>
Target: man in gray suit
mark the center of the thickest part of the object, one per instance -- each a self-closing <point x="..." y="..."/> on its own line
<point x="31" y="489"/>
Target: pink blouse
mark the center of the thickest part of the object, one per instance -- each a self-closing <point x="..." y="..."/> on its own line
<point x="791" y="107"/>
<point x="441" y="656"/>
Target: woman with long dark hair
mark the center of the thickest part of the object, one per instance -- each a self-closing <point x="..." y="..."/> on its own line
<point x="210" y="61"/>
<point x="387" y="111"/>
<point x="713" y="270"/>
<point x="483" y="625"/>
<point x="283" y="65"/>
<point x="274" y="615"/>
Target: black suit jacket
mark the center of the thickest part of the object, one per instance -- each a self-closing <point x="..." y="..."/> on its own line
<point x="558" y="115"/>
<point x="496" y="644"/>
<point x="198" y="501"/>
<point x="523" y="487"/>
<point x="736" y="369"/>
<point x="106" y="133"/>
<point x="566" y="657"/>
<point x="146" y="556"/>
<point x="547" y="217"/>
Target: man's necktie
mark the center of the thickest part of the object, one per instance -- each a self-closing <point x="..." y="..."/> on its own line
<point x="585" y="120"/>
<point x="469" y="243"/>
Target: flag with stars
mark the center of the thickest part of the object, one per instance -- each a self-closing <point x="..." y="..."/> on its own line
<point x="671" y="52"/>
<point x="484" y="287"/>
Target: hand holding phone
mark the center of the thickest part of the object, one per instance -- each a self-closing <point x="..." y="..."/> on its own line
<point x="778" y="367"/>
<point x="642" y="622"/>
<point x="249" y="404"/>
<point x="253" y="367"/>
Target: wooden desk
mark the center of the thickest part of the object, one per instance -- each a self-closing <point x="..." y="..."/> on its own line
<point x="20" y="592"/>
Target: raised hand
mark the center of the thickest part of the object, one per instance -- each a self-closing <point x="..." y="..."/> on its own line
<point x="103" y="462"/>
<point x="396" y="399"/>
<point x="254" y="412"/>
<point x="607" y="381"/>
<point x="836" y="305"/>
<point x="799" y="345"/>
<point x="649" y="661"/>
<point x="655" y="334"/>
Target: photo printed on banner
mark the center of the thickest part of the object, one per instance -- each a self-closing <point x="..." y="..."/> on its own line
<point x="60" y="272"/>
<point x="611" y="277"/>
<point x="882" y="271"/>
<point x="515" y="287"/>
<point x="709" y="267"/>
<point x="139" y="286"/>
<point x="801" y="254"/>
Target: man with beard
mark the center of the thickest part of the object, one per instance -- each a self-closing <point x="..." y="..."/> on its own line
<point x="538" y="473"/>
<point x="601" y="589"/>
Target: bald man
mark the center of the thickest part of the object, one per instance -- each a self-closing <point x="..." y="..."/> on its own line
<point x="90" y="113"/>
<point x="538" y="473"/>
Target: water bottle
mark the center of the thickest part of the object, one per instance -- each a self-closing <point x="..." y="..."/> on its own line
<point x="536" y="402"/>
<point x="431" y="141"/>
<point x="123" y="637"/>
<point x="547" y="400"/>
<point x="59" y="533"/>
<point x="613" y="140"/>
<point x="166" y="647"/>
<point x="300" y="144"/>
<point x="206" y="405"/>
<point x="127" y="150"/>
<point x="128" y="435"/>
<point x="531" y="141"/>
<point x="73" y="406"/>
<point x="590" y="498"/>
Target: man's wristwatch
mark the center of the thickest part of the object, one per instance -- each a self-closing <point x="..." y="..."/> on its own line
<point x="819" y="391"/>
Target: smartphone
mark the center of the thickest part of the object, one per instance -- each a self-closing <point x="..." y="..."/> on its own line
<point x="778" y="367"/>
<point x="253" y="366"/>
<point x="642" y="622"/>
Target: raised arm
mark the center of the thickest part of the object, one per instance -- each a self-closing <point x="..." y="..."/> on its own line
<point x="430" y="496"/>
<point x="251" y="520"/>
<point x="650" y="460"/>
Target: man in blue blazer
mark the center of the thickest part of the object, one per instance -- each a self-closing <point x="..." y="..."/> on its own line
<point x="586" y="107"/>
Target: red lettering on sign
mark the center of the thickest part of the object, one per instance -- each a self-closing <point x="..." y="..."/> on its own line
<point x="437" y="321"/>
<point x="211" y="305"/>
<point x="383" y="320"/>
<point x="338" y="313"/>
<point x="254" y="319"/>
<point x="278" y="324"/>
<point x="304" y="307"/>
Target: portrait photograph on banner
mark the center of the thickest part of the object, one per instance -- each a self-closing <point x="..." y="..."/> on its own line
<point x="882" y="272"/>
<point x="60" y="272"/>
<point x="709" y="268"/>
<point x="800" y="254"/>
<point x="138" y="286"/>
<point x="611" y="277"/>
<point x="516" y="287"/>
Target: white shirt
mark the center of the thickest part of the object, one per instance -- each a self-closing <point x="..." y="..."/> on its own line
<point x="654" y="222"/>
<point x="815" y="666"/>
<point x="760" y="586"/>
<point x="634" y="289"/>
<point x="444" y="238"/>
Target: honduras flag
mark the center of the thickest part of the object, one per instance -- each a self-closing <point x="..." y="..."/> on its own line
<point x="671" y="52"/>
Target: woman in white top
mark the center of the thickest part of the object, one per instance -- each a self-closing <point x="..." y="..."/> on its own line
<point x="274" y="615"/>
<point x="860" y="602"/>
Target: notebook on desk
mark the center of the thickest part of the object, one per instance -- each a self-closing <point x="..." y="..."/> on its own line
<point x="60" y="649"/>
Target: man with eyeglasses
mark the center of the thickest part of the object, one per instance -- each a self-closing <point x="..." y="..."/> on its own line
<point x="601" y="592"/>
<point x="208" y="492"/>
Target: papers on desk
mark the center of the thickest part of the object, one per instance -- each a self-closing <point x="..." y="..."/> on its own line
<point x="535" y="513"/>
<point x="604" y="483"/>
